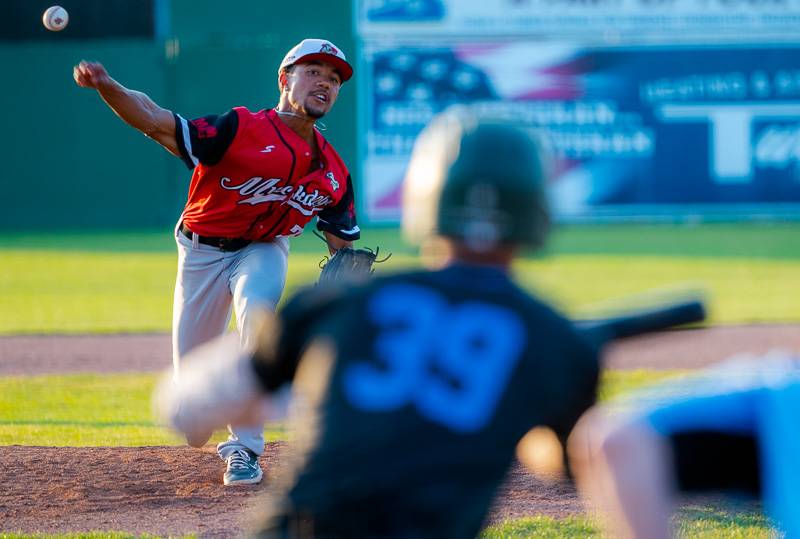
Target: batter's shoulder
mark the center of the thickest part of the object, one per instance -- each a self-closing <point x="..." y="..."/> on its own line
<point x="545" y="315"/>
<point x="418" y="277"/>
<point x="314" y="302"/>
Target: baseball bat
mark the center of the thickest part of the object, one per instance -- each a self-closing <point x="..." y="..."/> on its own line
<point x="643" y="321"/>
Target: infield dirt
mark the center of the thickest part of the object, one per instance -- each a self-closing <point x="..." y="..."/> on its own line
<point x="178" y="490"/>
<point x="682" y="349"/>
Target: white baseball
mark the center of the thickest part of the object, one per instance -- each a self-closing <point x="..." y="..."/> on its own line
<point x="55" y="18"/>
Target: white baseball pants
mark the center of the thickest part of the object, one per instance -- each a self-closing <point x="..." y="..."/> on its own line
<point x="211" y="283"/>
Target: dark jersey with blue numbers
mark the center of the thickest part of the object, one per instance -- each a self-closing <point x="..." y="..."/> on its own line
<point x="412" y="393"/>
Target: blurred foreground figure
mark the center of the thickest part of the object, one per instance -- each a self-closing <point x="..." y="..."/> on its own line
<point x="412" y="391"/>
<point x="734" y="428"/>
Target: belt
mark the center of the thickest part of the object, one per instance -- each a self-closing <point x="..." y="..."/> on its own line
<point x="223" y="244"/>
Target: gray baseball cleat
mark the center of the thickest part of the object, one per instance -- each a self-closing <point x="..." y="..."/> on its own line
<point x="243" y="468"/>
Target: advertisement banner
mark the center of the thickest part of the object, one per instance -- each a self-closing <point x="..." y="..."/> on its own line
<point x="655" y="128"/>
<point x="598" y="21"/>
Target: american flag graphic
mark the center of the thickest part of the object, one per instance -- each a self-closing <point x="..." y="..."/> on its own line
<point x="422" y="82"/>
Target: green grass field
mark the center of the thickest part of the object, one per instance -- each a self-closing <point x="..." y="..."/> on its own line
<point x="694" y="522"/>
<point x="115" y="410"/>
<point x="123" y="282"/>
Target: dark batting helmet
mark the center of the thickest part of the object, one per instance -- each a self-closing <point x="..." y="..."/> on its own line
<point x="477" y="180"/>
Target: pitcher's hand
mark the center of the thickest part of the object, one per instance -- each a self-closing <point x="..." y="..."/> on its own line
<point x="90" y="75"/>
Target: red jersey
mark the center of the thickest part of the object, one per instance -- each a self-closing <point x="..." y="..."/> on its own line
<point x="253" y="179"/>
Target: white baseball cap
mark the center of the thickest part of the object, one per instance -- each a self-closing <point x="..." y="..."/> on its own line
<point x="321" y="50"/>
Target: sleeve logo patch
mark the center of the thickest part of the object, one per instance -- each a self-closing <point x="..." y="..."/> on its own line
<point x="334" y="183"/>
<point x="204" y="129"/>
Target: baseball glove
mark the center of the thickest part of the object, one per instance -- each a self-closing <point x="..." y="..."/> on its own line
<point x="349" y="266"/>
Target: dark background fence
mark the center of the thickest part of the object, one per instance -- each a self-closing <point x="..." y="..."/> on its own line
<point x="71" y="163"/>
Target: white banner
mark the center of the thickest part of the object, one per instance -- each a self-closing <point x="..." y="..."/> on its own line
<point x="600" y="21"/>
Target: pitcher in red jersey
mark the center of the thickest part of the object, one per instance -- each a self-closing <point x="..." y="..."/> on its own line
<point x="258" y="178"/>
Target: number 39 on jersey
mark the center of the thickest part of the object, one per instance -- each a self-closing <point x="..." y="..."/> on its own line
<point x="451" y="362"/>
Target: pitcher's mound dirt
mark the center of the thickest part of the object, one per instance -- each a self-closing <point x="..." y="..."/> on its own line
<point x="177" y="491"/>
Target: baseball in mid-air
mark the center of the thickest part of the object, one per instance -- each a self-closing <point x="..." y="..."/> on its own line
<point x="55" y="18"/>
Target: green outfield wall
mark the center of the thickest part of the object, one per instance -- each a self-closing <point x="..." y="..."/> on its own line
<point x="69" y="163"/>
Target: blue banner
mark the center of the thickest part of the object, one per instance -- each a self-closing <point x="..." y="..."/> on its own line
<point x="634" y="130"/>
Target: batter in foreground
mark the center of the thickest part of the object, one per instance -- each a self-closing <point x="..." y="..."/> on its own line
<point x="413" y="390"/>
<point x="258" y="179"/>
